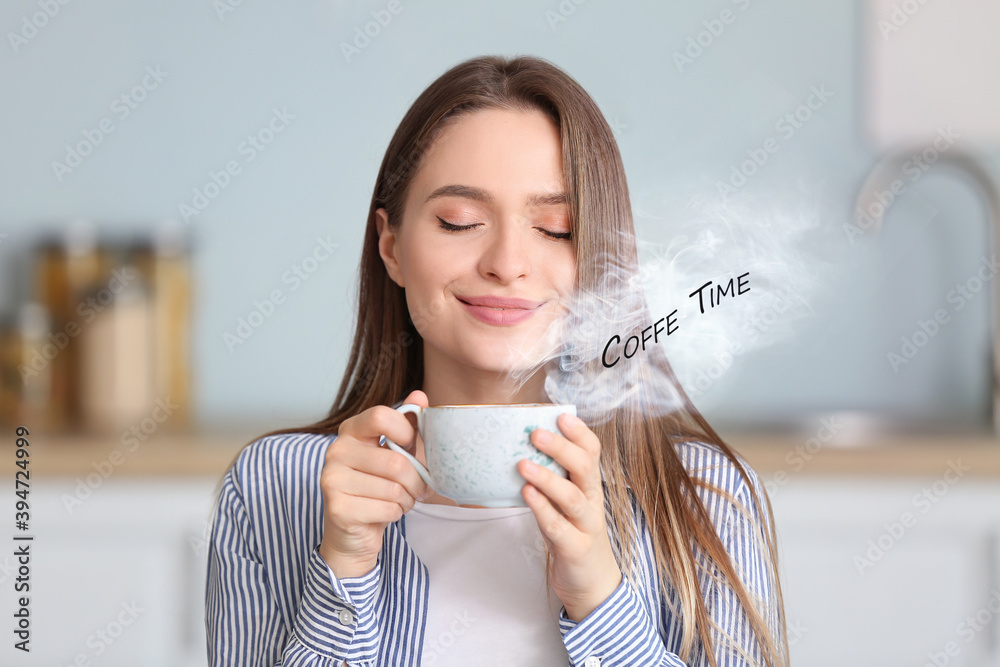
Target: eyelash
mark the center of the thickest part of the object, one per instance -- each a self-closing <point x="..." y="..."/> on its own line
<point x="457" y="228"/>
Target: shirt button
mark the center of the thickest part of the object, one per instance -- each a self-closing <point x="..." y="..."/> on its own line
<point x="346" y="618"/>
<point x="592" y="661"/>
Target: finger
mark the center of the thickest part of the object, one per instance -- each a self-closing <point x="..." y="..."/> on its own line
<point x="566" y="453"/>
<point x="561" y="492"/>
<point x="384" y="463"/>
<point x="366" y="485"/>
<point x="554" y="526"/>
<point x="347" y="493"/>
<point x="576" y="430"/>
<point x="582" y="465"/>
<point x="369" y="426"/>
<point x="417" y="397"/>
<point x="364" y="511"/>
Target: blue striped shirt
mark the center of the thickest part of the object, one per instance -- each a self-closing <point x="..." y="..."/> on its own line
<point x="271" y="599"/>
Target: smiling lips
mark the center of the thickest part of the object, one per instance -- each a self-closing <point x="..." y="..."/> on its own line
<point x="499" y="310"/>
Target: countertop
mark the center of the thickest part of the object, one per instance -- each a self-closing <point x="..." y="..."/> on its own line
<point x="209" y="454"/>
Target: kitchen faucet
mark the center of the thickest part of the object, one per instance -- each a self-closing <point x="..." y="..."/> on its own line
<point x="879" y="184"/>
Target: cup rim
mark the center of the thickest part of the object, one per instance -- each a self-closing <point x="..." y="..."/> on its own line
<point x="502" y="405"/>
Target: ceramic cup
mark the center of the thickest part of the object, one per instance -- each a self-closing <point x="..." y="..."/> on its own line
<point x="472" y="450"/>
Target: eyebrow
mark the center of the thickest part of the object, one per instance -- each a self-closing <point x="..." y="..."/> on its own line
<point x="484" y="197"/>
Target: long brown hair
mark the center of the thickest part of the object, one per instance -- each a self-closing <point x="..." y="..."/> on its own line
<point x="638" y="449"/>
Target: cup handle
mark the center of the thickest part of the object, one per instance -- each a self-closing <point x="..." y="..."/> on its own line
<point x="421" y="470"/>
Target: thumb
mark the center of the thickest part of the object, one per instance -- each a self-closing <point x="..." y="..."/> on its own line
<point x="417" y="397"/>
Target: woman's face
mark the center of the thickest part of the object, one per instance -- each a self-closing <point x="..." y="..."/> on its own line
<point x="486" y="227"/>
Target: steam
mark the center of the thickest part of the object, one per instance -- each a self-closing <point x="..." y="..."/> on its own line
<point x="715" y="241"/>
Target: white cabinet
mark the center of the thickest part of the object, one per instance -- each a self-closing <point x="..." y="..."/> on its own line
<point x="120" y="580"/>
<point x="129" y="565"/>
<point x="865" y="588"/>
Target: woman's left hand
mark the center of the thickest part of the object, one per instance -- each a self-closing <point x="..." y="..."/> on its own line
<point x="570" y="516"/>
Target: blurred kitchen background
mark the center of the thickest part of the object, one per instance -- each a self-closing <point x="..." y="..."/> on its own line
<point x="183" y="191"/>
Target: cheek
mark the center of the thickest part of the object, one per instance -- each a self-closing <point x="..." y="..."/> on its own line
<point x="564" y="271"/>
<point x="428" y="276"/>
<point x="423" y="264"/>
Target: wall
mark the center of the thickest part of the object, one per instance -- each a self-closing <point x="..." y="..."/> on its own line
<point x="681" y="127"/>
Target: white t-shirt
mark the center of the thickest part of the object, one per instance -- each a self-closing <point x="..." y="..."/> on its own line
<point x="487" y="602"/>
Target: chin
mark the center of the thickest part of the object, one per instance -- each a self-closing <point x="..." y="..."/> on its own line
<point x="500" y="357"/>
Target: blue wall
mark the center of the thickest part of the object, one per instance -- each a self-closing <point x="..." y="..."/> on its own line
<point x="680" y="130"/>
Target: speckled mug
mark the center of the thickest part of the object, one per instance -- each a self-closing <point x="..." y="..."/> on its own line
<point x="472" y="450"/>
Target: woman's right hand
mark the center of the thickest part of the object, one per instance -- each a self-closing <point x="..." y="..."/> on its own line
<point x="366" y="487"/>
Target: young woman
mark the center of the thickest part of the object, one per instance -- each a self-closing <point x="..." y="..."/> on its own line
<point x="501" y="195"/>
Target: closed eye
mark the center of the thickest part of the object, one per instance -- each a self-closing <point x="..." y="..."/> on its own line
<point x="455" y="228"/>
<point x="447" y="226"/>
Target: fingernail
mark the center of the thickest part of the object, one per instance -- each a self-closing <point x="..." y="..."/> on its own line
<point x="543" y="437"/>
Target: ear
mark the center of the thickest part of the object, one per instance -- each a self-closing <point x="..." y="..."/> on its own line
<point x="387" y="246"/>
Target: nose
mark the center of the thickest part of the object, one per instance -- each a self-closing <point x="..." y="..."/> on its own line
<point x="505" y="255"/>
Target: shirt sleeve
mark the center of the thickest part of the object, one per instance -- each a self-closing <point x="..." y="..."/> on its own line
<point x="621" y="631"/>
<point x="618" y="632"/>
<point x="741" y="529"/>
<point x="334" y="621"/>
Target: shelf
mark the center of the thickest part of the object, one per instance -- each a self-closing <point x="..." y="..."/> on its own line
<point x="161" y="455"/>
<point x="921" y="455"/>
<point x="210" y="454"/>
